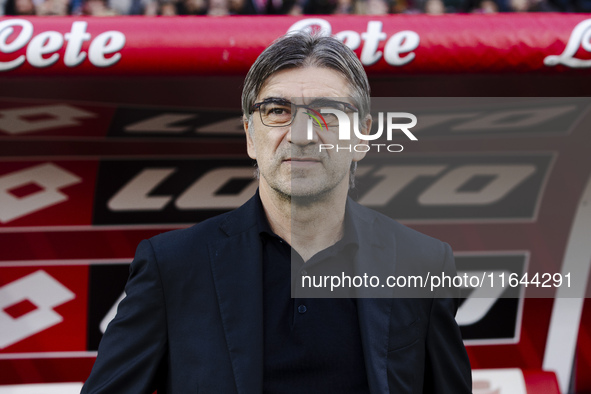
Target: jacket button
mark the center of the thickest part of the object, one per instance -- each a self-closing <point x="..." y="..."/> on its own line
<point x="302" y="309"/>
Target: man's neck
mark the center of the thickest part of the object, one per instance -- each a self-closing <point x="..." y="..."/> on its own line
<point x="307" y="227"/>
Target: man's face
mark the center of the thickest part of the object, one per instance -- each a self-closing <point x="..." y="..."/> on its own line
<point x="288" y="161"/>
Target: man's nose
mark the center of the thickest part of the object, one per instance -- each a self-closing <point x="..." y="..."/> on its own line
<point x="302" y="130"/>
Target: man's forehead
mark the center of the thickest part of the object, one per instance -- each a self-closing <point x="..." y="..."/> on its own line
<point x="309" y="101"/>
<point x="301" y="84"/>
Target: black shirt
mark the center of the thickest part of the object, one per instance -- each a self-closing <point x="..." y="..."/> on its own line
<point x="311" y="345"/>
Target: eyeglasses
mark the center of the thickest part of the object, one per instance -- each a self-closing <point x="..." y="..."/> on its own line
<point x="279" y="113"/>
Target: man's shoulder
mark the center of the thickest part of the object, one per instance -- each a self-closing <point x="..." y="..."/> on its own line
<point x="197" y="234"/>
<point x="214" y="228"/>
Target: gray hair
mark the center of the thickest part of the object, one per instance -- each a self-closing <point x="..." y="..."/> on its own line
<point x="299" y="50"/>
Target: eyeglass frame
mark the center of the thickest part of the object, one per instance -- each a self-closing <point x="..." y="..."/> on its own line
<point x="257" y="106"/>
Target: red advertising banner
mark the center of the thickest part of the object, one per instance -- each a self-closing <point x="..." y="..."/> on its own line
<point x="394" y="44"/>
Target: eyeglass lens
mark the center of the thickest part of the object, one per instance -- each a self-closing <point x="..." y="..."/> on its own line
<point x="277" y="114"/>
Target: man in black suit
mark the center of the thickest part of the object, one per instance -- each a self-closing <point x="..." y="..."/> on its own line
<point x="222" y="307"/>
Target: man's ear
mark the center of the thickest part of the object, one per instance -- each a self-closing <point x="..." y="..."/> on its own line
<point x="249" y="141"/>
<point x="365" y="128"/>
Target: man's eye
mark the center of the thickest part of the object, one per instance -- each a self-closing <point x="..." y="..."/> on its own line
<point x="277" y="111"/>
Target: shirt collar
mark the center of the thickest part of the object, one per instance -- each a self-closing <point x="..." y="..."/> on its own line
<point x="262" y="222"/>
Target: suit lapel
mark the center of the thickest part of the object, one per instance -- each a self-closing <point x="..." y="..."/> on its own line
<point x="237" y="274"/>
<point x="375" y="256"/>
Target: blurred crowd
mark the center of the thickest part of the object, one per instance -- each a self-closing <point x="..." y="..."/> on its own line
<point x="284" y="7"/>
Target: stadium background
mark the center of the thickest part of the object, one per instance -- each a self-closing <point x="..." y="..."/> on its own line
<point x="115" y="129"/>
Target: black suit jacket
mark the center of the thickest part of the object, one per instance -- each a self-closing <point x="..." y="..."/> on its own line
<point x="192" y="318"/>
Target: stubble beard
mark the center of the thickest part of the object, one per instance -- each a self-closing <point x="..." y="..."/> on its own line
<point x="288" y="190"/>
